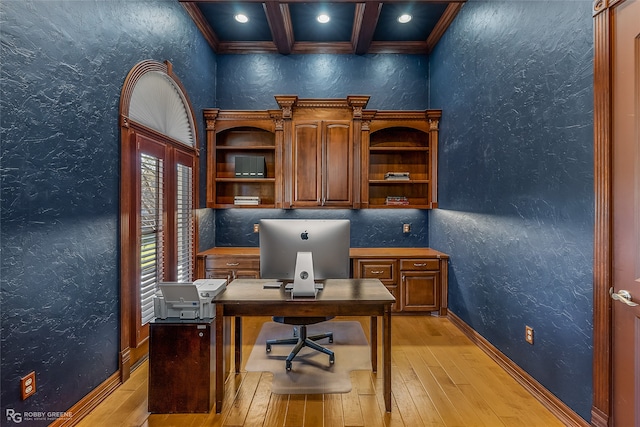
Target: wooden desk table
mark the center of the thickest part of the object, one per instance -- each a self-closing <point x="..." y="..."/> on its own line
<point x="340" y="297"/>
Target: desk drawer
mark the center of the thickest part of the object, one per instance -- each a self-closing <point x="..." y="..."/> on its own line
<point x="420" y="264"/>
<point x="232" y="274"/>
<point x="383" y="269"/>
<point x="233" y="263"/>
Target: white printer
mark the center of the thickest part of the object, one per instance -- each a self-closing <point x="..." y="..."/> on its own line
<point x="187" y="300"/>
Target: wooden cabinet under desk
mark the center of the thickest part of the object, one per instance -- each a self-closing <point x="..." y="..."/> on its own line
<point x="228" y="263"/>
<point x="420" y="285"/>
<point x="416" y="277"/>
<point x="230" y="267"/>
<point x="182" y="365"/>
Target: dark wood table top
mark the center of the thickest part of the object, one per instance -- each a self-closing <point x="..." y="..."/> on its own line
<point x="339" y="297"/>
<point x="334" y="291"/>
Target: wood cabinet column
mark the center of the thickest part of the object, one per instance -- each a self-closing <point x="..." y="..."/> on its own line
<point x="286" y="104"/>
<point x="357" y="103"/>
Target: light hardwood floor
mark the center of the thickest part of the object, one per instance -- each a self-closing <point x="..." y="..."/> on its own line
<point x="439" y="378"/>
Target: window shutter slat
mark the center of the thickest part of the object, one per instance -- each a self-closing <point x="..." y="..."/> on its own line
<point x="151" y="241"/>
<point x="184" y="218"/>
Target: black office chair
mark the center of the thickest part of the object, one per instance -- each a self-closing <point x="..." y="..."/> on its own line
<point x="302" y="340"/>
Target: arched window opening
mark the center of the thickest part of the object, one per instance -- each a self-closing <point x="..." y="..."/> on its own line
<point x="158" y="196"/>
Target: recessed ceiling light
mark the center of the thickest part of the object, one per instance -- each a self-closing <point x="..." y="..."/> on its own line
<point x="241" y="18"/>
<point x="323" y="18"/>
<point x="404" y="18"/>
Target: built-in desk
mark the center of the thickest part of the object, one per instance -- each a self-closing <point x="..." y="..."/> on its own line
<point x="417" y="277"/>
<point x="340" y="297"/>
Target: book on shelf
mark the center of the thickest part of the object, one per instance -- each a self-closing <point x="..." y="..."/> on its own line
<point x="396" y="201"/>
<point x="396" y="176"/>
<point x="246" y="200"/>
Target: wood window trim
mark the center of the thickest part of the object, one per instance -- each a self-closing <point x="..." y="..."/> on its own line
<point x="130" y="206"/>
<point x="130" y="132"/>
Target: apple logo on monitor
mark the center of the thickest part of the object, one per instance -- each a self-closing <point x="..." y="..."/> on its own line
<point x="304" y="235"/>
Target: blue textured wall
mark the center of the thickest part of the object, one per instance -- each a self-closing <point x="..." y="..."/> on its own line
<point x="369" y="227"/>
<point x="205" y="219"/>
<point x="63" y="66"/>
<point x="392" y="81"/>
<point x="515" y="82"/>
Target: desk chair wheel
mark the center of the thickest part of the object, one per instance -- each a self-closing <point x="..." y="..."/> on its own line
<point x="303" y="340"/>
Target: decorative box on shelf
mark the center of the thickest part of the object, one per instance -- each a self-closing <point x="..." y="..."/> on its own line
<point x="396" y="201"/>
<point x="246" y="200"/>
<point x="396" y="176"/>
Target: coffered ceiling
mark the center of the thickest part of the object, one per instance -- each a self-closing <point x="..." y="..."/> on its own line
<point x="291" y="27"/>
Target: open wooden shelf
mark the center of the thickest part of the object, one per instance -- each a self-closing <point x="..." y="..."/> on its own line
<point x="401" y="143"/>
<point x="241" y="133"/>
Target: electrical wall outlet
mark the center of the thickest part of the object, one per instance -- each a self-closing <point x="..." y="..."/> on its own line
<point x="528" y="334"/>
<point x="28" y="385"/>
<point x="256" y="228"/>
<point x="406" y="228"/>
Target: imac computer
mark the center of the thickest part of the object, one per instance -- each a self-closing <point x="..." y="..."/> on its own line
<point x="304" y="251"/>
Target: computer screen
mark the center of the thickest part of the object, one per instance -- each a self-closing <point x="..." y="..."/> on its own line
<point x="281" y="240"/>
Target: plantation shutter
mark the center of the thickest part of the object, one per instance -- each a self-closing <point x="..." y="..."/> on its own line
<point x="151" y="232"/>
<point x="184" y="222"/>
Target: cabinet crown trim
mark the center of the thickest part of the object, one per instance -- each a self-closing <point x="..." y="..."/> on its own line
<point x="351" y="101"/>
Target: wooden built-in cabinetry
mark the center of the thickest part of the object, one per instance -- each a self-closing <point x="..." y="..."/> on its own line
<point x="228" y="263"/>
<point x="420" y="285"/>
<point x="321" y="155"/>
<point x="416" y="277"/>
<point x="324" y="153"/>
<point x="384" y="269"/>
<point x="231" y="134"/>
<point x="400" y="142"/>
